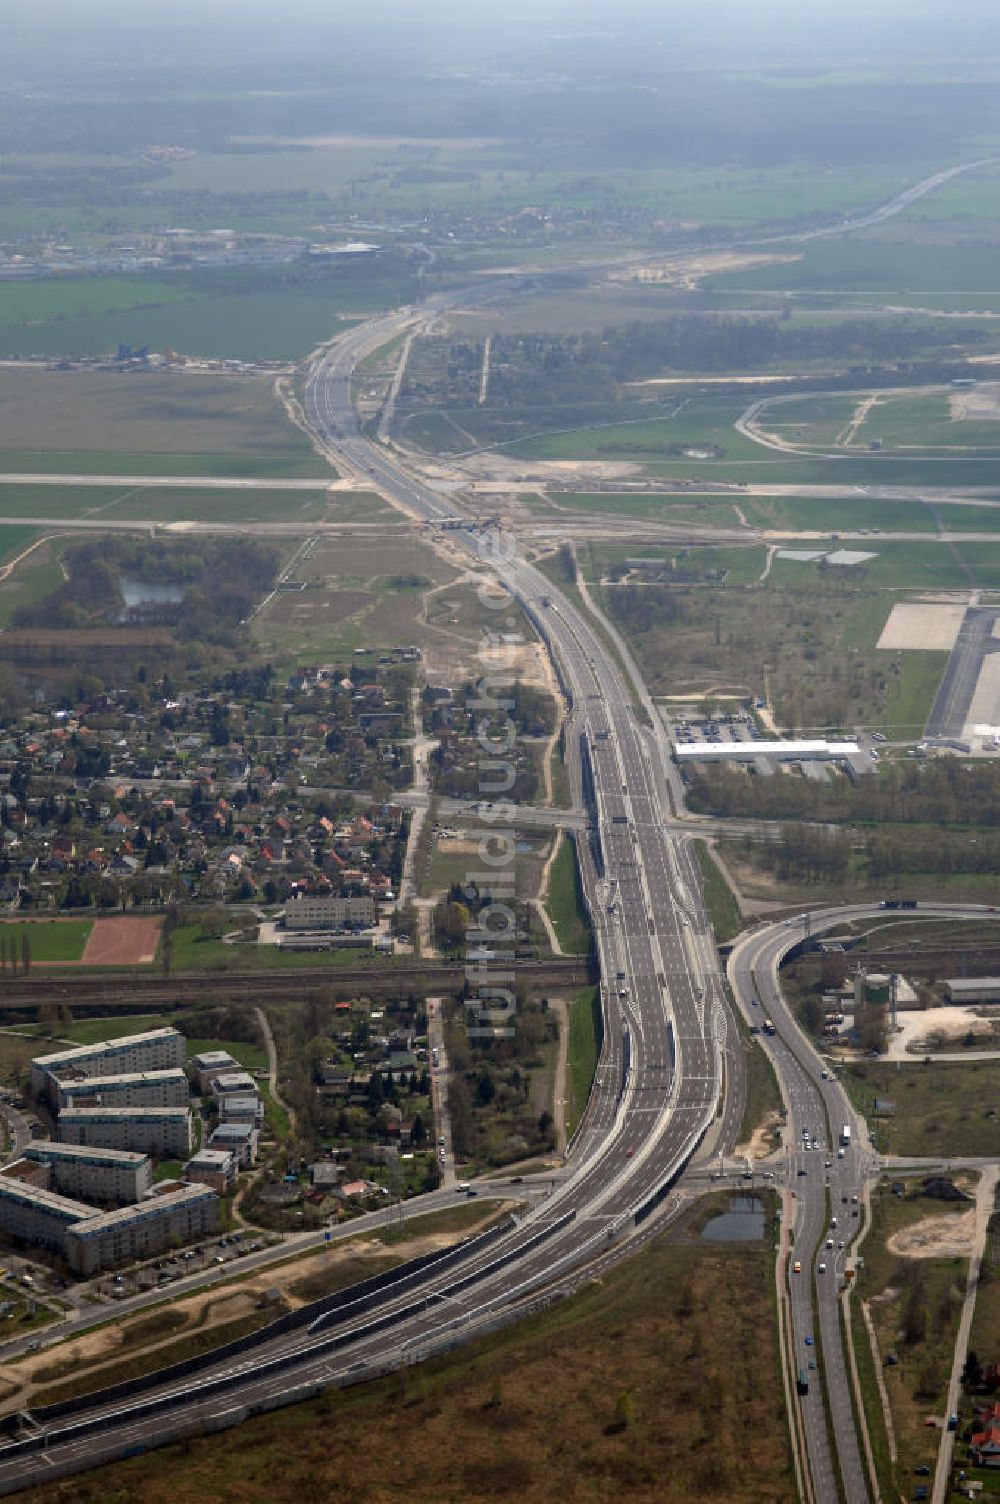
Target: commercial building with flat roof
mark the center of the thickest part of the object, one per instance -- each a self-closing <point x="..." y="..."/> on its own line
<point x="973" y="989"/>
<point x="30" y="1214"/>
<point x="309" y="913"/>
<point x="749" y="751"/>
<point x="163" y="1131"/>
<point x="94" y="1174"/>
<point x="156" y="1050"/>
<point x="212" y="1167"/>
<point x="133" y="1232"/>
<point x="133" y="1089"/>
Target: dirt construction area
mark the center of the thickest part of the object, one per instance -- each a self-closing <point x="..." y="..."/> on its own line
<point x="122" y="942"/>
<point x="111" y="1343"/>
<point x="942" y="1237"/>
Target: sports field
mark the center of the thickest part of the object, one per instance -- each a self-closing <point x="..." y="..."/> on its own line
<point x="50" y="941"/>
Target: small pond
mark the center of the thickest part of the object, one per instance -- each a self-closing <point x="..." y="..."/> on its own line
<point x="140" y="594"/>
<point x="742" y="1223"/>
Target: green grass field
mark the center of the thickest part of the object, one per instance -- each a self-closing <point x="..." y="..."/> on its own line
<point x="723" y="910"/>
<point x="168" y="504"/>
<point x="13" y="540"/>
<point x="702" y="422"/>
<point x="585" y="1034"/>
<point x="709" y="511"/>
<point x="912" y="693"/>
<point x="240" y="314"/>
<point x="941" y="1109"/>
<point x="899" y="565"/>
<point x="565" y="901"/>
<point x="48" y="939"/>
<point x="149" y="422"/>
<point x="880" y="266"/>
<point x="918" y="421"/>
<point x="62" y="298"/>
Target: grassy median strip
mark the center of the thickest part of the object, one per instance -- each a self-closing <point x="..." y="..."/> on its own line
<point x="723" y="910"/>
<point x="586" y="1031"/>
<point x="565" y="902"/>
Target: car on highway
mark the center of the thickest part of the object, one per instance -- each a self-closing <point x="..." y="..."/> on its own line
<point x="822" y="1268"/>
<point x="809" y="1341"/>
<point x="797" y="1267"/>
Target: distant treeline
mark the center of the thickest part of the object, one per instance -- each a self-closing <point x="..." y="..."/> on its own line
<point x="943" y="793"/>
<point x="554" y="369"/>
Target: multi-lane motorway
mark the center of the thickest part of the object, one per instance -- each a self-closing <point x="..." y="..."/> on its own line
<point x="667" y="1044"/>
<point x="659" y="1078"/>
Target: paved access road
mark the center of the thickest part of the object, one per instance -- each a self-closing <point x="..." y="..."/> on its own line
<point x="818" y="1104"/>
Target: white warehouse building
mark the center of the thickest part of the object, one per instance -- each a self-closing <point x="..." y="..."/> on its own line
<point x="806" y="751"/>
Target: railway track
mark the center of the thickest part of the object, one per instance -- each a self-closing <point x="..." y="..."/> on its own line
<point x="129" y="992"/>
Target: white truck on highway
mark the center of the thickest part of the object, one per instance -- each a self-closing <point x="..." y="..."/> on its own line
<point x="845" y="1136"/>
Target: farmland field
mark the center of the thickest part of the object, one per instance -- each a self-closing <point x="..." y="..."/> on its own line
<point x="148" y="422"/>
<point x="882" y="266"/>
<point x="242" y="314"/>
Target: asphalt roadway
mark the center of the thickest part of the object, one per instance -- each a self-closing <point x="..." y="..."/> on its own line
<point x="659" y="1078"/>
<point x="953" y="701"/>
<point x="658" y="1087"/>
<point x="815" y="1194"/>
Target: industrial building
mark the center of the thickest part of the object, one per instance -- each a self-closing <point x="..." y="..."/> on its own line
<point x="133" y="1232"/>
<point x="973" y="989"/>
<point x="241" y="1140"/>
<point x="216" y="1168"/>
<point x="163" y="1131"/>
<point x="100" y="1175"/>
<point x="309" y="913"/>
<point x="212" y="1063"/>
<point x="31" y="1214"/>
<point x="750" y="751"/>
<point x="156" y="1050"/>
<point x="134" y="1089"/>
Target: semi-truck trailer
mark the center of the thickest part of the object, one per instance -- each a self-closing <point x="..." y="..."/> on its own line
<point x="845" y="1135"/>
